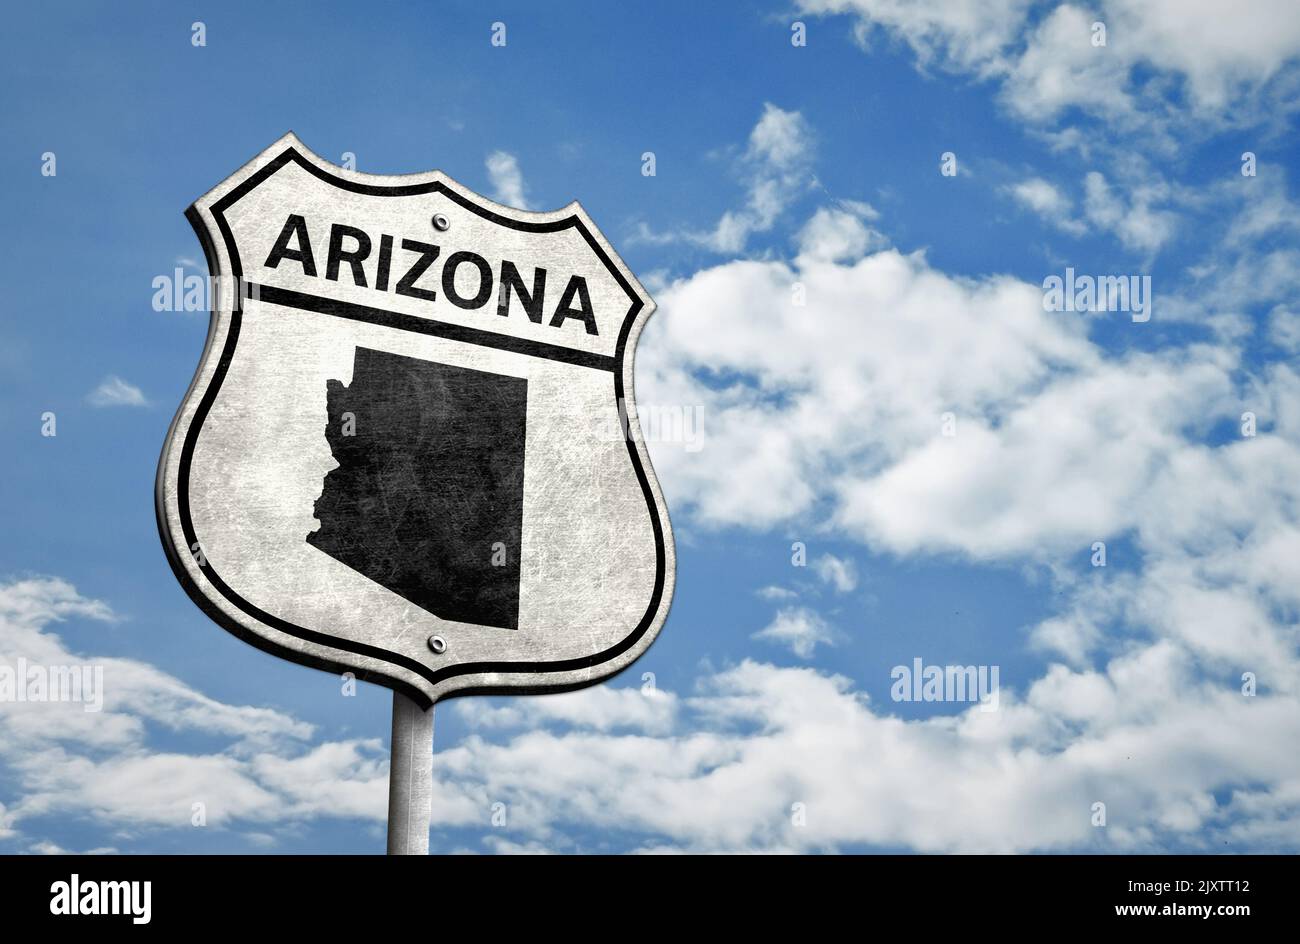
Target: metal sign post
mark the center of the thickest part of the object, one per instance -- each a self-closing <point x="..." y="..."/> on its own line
<point x="411" y="449"/>
<point x="410" y="778"/>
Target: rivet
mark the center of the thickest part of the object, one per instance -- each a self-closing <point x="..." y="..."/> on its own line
<point x="438" y="645"/>
<point x="441" y="223"/>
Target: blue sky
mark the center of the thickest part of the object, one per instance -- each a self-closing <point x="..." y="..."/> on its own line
<point x="775" y="165"/>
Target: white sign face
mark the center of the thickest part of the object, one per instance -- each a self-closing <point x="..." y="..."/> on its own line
<point x="411" y="448"/>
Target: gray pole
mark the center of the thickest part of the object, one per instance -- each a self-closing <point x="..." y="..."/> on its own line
<point x="410" y="778"/>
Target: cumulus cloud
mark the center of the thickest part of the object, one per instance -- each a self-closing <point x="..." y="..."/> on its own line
<point x="834" y="413"/>
<point x="507" y="180"/>
<point x="1144" y="737"/>
<point x="1220" y="52"/>
<point x="105" y="765"/>
<point x="808" y="402"/>
<point x="1139" y="708"/>
<point x="1059" y="67"/>
<point x="1059" y="470"/>
<point x="841" y="232"/>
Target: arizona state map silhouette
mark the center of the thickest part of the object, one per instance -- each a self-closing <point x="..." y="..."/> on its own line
<point x="428" y="496"/>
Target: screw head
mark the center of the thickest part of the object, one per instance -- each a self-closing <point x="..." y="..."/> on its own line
<point x="441" y="223"/>
<point x="437" y="644"/>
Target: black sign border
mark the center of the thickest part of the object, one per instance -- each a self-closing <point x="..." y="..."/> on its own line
<point x="434" y="676"/>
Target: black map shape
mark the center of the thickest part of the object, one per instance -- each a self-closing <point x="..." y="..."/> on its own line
<point x="428" y="496"/>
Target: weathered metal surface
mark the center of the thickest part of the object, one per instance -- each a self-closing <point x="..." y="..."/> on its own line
<point x="401" y="430"/>
<point x="410" y="778"/>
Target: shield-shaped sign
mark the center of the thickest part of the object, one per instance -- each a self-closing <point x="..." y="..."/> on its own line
<point x="411" y="448"/>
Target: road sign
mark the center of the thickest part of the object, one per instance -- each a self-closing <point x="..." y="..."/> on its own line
<point x="410" y="450"/>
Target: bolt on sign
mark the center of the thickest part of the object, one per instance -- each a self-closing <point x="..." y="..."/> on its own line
<point x="410" y="450"/>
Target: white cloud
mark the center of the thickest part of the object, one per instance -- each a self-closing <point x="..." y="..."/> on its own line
<point x="835" y="234"/>
<point x="781" y="140"/>
<point x="1222" y="56"/>
<point x="1236" y="286"/>
<point x="602" y="708"/>
<point x="102" y="764"/>
<point x="775" y="168"/>
<point x="966" y="34"/>
<point x="1221" y="51"/>
<point x="829" y="394"/>
<point x="828" y="415"/>
<point x="799" y="629"/>
<point x="1059" y="67"/>
<point x="1262" y="205"/>
<point x="776" y="163"/>
<point x="1171" y="73"/>
<point x="114" y="391"/>
<point x="1048" y="202"/>
<point x="840" y="572"/>
<point x="1284" y="328"/>
<point x="507" y="180"/>
<point x="1062" y="469"/>
<point x="1140" y="225"/>
<point x="1143" y="736"/>
<point x="50" y="848"/>
<point x="1143" y="712"/>
<point x="1041" y="197"/>
<point x="337" y="778"/>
